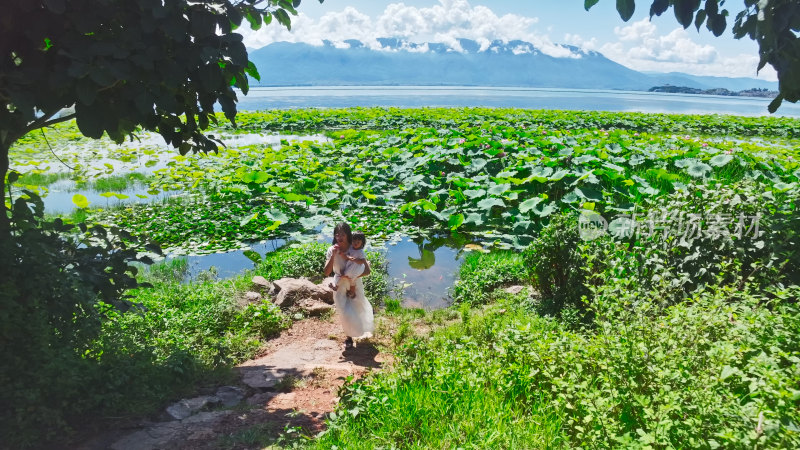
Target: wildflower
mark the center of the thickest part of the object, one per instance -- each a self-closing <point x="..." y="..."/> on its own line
<point x="705" y="144"/>
<point x="636" y="134"/>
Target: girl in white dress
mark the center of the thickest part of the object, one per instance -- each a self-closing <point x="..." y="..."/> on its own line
<point x="355" y="313"/>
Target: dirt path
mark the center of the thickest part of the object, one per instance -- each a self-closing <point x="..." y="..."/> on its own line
<point x="294" y="384"/>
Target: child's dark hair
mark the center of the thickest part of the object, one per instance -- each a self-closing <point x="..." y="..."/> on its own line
<point x="360" y="236"/>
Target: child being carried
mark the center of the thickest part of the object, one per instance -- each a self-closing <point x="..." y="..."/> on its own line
<point x="356" y="262"/>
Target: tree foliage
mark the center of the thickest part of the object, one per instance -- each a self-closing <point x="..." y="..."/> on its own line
<point x="121" y="64"/>
<point x="773" y="24"/>
<point x="116" y="66"/>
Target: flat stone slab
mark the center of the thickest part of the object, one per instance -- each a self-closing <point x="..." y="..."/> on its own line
<point x="186" y="407"/>
<point x="160" y="435"/>
<point x="298" y="359"/>
<point x="230" y="395"/>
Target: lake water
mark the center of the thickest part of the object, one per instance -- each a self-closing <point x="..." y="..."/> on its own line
<point x="421" y="272"/>
<point x="531" y="98"/>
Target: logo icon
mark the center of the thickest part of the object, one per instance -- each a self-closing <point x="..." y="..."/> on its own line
<point x="591" y="225"/>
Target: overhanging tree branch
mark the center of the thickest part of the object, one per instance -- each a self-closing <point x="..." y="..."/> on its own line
<point x="45" y="121"/>
<point x="58" y="120"/>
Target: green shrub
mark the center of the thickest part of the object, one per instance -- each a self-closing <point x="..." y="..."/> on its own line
<point x="556" y="265"/>
<point x="719" y="372"/>
<point x="482" y="273"/>
<point x="53" y="277"/>
<point x="294" y="261"/>
<point x="678" y="266"/>
<point x="376" y="284"/>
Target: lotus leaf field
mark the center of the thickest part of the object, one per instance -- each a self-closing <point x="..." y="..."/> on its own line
<point x="489" y="176"/>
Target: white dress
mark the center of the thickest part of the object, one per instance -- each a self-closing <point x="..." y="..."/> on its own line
<point x="355" y="313"/>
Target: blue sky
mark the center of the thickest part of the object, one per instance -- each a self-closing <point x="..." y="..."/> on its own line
<point x="659" y="45"/>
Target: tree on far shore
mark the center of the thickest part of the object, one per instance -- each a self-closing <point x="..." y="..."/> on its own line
<point x="773" y="24"/>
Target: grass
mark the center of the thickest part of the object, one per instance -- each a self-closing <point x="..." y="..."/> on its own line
<point x="433" y="400"/>
<point x="43" y="179"/>
<point x="481" y="274"/>
<point x="503" y="377"/>
<point x="263" y="436"/>
<point x="118" y="183"/>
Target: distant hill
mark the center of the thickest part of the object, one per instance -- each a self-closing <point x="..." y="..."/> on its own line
<point x="513" y="63"/>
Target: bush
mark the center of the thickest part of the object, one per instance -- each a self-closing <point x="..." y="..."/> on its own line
<point x="679" y="266"/>
<point x="294" y="261"/>
<point x="53" y="279"/>
<point x="719" y="372"/>
<point x="482" y="273"/>
<point x="557" y="267"/>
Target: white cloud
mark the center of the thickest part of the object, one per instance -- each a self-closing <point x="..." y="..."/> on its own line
<point x="641" y="47"/>
<point x="578" y="41"/>
<point x="445" y="22"/>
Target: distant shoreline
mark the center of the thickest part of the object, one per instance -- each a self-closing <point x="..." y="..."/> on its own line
<point x="754" y="92"/>
<point x="667" y="89"/>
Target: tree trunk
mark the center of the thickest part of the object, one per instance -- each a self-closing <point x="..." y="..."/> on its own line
<point x="5" y="224"/>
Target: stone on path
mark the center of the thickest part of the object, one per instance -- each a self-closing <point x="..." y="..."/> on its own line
<point x="230" y="395"/>
<point x="162" y="434"/>
<point x="314" y="307"/>
<point x="186" y="407"/>
<point x="298" y="359"/>
<point x="288" y="291"/>
<point x="261" y="284"/>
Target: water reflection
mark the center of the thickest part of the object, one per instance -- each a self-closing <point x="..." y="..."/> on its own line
<point x="59" y="197"/>
<point x="229" y="264"/>
<point x="424" y="270"/>
<point x="421" y="271"/>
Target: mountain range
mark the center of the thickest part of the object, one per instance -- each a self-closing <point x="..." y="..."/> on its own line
<point x="506" y="64"/>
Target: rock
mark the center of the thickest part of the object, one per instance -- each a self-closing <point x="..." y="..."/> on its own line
<point x="260" y="378"/>
<point x="290" y="290"/>
<point x="261" y="399"/>
<point x="206" y="418"/>
<point x="514" y="290"/>
<point x="329" y="292"/>
<point x="314" y="307"/>
<point x="261" y="284"/>
<point x="148" y="439"/>
<point x="230" y="395"/>
<point x="252" y="297"/>
<point x="201" y="435"/>
<point x="186" y="407"/>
